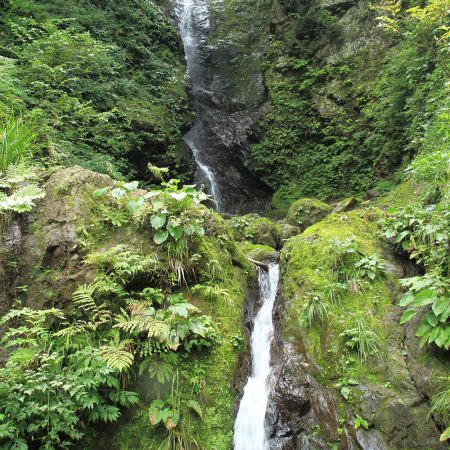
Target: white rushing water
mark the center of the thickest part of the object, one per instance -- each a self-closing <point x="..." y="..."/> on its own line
<point x="193" y="22"/>
<point x="249" y="428"/>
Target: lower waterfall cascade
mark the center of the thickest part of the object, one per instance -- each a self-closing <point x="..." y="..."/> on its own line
<point x="249" y="428"/>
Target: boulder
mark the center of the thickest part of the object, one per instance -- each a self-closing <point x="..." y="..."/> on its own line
<point x="306" y="212"/>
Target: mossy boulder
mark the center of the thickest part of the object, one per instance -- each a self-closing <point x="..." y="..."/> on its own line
<point x="306" y="212"/>
<point x="260" y="253"/>
<point x="257" y="230"/>
<point x="69" y="224"/>
<point x="264" y="231"/>
<point x="326" y="300"/>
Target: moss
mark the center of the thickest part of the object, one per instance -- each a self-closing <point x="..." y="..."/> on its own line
<point x="257" y="230"/>
<point x="307" y="211"/>
<point x="205" y="375"/>
<point x="261" y="253"/>
<point x="405" y="193"/>
<point x="264" y="231"/>
<point x="308" y="269"/>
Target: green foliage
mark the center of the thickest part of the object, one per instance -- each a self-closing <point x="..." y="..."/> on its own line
<point x="363" y="340"/>
<point x="370" y="266"/>
<point x="48" y="390"/>
<point x="345" y="388"/>
<point x="169" y="413"/>
<point x="16" y="141"/>
<point x="360" y="422"/>
<point x="343" y="119"/>
<point x="440" y="405"/>
<point x="97" y="95"/>
<point x="168" y="213"/>
<point x="429" y="291"/>
<point x="423" y="232"/>
<point x="19" y="188"/>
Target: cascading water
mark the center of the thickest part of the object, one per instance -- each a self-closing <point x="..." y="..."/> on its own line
<point x="249" y="428"/>
<point x="193" y="20"/>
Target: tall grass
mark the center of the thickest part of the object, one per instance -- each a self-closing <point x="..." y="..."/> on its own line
<point x="16" y="141"/>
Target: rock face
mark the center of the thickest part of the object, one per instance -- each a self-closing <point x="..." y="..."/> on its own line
<point x="50" y="252"/>
<point x="227" y="105"/>
<point x="320" y="388"/>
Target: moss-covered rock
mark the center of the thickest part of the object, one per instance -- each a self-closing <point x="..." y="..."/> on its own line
<point x="329" y="309"/>
<point x="70" y="224"/>
<point x="261" y="253"/>
<point x="307" y="211"/>
<point x="257" y="230"/>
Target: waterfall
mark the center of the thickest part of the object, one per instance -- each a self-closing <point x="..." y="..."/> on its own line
<point x="193" y="22"/>
<point x="249" y="428"/>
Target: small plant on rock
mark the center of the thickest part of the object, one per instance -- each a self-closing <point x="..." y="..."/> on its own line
<point x="370" y="267"/>
<point x="363" y="340"/>
<point x="314" y="311"/>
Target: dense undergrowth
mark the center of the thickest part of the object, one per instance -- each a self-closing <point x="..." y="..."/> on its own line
<point x="101" y="83"/>
<point x="350" y="102"/>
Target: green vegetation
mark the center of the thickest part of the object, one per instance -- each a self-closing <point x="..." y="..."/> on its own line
<point x="100" y="81"/>
<point x="346" y="113"/>
<point x="122" y="324"/>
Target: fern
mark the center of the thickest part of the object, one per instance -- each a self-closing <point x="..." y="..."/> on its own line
<point x="116" y="357"/>
<point x="22" y="199"/>
<point x="139" y="322"/>
<point x="17" y="173"/>
<point x="83" y="297"/>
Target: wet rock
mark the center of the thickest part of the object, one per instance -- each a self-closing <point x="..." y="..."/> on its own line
<point x="301" y="413"/>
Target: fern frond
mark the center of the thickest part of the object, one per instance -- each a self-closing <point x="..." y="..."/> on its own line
<point x="22" y="199"/>
<point x="117" y="358"/>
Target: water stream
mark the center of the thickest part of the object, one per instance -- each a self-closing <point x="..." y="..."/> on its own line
<point x="249" y="428"/>
<point x="193" y="22"/>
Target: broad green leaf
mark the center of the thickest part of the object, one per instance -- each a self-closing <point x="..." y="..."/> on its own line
<point x="178" y="196"/>
<point x="407" y="315"/>
<point x="401" y="236"/>
<point x="406" y="245"/>
<point x="134" y="205"/>
<point x="440" y="305"/>
<point x="160" y="236"/>
<point x="131" y="186"/>
<point x="182" y="309"/>
<point x="345" y="392"/>
<point x="196" y="326"/>
<point x="175" y="231"/>
<point x="117" y="192"/>
<point x="444" y="333"/>
<point x="432" y="319"/>
<point x="99" y="192"/>
<point x="423" y="298"/>
<point x="406" y="299"/>
<point x="424" y="329"/>
<point x="157" y="221"/>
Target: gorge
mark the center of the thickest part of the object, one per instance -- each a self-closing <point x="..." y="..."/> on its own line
<point x="224" y="224"/>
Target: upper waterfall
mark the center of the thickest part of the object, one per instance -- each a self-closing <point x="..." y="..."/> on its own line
<point x="193" y="22"/>
<point x="225" y="112"/>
